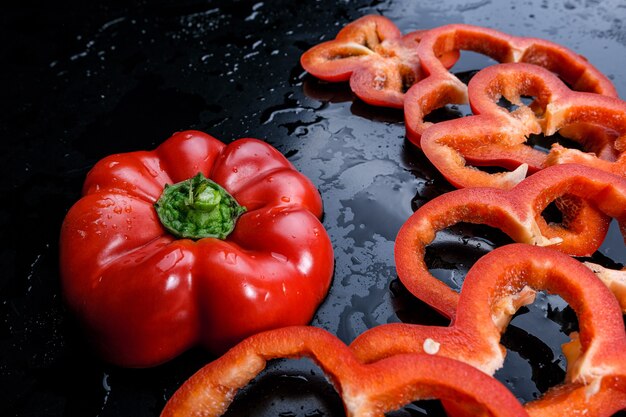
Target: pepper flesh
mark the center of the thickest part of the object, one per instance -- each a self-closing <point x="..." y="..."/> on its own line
<point x="366" y="390"/>
<point x="145" y="296"/>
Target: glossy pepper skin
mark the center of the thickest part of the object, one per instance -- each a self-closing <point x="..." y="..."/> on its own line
<point x="144" y="296"/>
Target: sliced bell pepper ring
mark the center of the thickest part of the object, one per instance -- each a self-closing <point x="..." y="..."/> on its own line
<point x="489" y="206"/>
<point x="495" y="287"/>
<point x="584" y="227"/>
<point x="441" y="87"/>
<point x="372" y="54"/>
<point x="518" y="213"/>
<point x="192" y="243"/>
<point x="495" y="136"/>
<point x="366" y="390"/>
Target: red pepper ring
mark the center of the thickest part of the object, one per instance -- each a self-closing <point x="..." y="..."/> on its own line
<point x="145" y="296"/>
<point x="441" y="87"/>
<point x="371" y="52"/>
<point x="496" y="136"/>
<point x="583" y="227"/>
<point x="366" y="390"/>
<point x="518" y="213"/>
<point x="489" y="206"/>
<point x="495" y="287"/>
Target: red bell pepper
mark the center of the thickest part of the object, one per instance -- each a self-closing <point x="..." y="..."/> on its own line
<point x="192" y="243"/>
<point x="371" y="52"/>
<point x="494" y="288"/>
<point x="366" y="390"/>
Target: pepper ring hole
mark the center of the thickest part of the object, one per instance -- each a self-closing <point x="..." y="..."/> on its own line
<point x="457" y="248"/>
<point x="535" y="361"/>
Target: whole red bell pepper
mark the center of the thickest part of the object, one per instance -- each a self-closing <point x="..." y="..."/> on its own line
<point x="193" y="243"/>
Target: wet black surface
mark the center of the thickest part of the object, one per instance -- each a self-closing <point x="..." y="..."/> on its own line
<point x="83" y="81"/>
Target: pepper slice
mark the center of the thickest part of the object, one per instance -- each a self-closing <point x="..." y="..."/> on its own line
<point x="145" y="295"/>
<point x="371" y="52"/>
<point x="441" y="87"/>
<point x="518" y="213"/>
<point x="366" y="390"/>
<point x="495" y="136"/>
<point x="495" y="287"/>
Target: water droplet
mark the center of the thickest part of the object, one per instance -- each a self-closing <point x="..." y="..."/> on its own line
<point x="285" y="199"/>
<point x="279" y="256"/>
<point x="170" y="260"/>
<point x="230" y="257"/>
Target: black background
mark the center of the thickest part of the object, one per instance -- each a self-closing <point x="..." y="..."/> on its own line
<point x="82" y="81"/>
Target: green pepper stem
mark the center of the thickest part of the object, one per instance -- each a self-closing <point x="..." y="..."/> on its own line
<point x="197" y="208"/>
